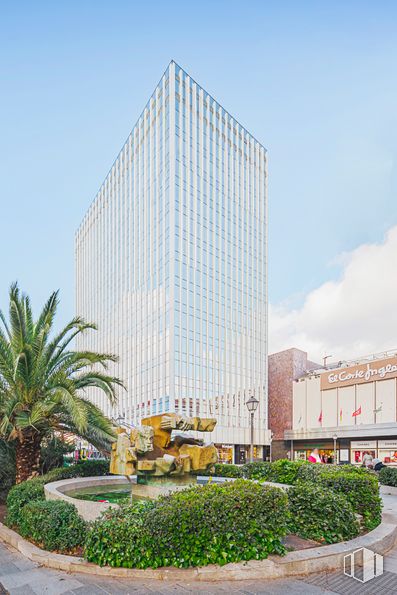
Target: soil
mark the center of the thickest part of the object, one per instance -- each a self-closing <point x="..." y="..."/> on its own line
<point x="3" y="511"/>
<point x="293" y="543"/>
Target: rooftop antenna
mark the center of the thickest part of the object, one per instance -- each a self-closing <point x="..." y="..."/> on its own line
<point x="325" y="360"/>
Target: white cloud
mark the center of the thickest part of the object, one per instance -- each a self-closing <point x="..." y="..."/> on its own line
<point x="353" y="316"/>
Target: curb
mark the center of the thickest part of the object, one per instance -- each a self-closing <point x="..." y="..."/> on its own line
<point x="328" y="557"/>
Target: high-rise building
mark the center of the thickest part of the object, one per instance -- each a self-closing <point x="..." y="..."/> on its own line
<point x="171" y="264"/>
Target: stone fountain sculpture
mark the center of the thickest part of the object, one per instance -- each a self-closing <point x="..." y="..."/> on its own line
<point x="152" y="449"/>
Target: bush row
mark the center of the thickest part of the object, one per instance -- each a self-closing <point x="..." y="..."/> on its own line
<point x="321" y="514"/>
<point x="48" y="523"/>
<point x="388" y="476"/>
<point x="224" y="523"/>
<point x="33" y="489"/>
<point x="53" y="525"/>
<point x="213" y="524"/>
<point x="217" y="524"/>
<point x="357" y="484"/>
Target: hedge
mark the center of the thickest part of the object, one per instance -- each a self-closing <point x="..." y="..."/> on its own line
<point x="388" y="476"/>
<point x="223" y="470"/>
<point x="213" y="524"/>
<point x="53" y="525"/>
<point x="321" y="514"/>
<point x="33" y="489"/>
<point x="360" y="487"/>
<point x="281" y="471"/>
<point x="310" y="471"/>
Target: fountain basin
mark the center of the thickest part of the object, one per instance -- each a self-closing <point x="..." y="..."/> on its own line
<point x="89" y="509"/>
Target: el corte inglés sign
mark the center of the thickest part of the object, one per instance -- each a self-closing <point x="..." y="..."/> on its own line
<point x="369" y="372"/>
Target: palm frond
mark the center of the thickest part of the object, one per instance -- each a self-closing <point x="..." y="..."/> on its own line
<point x="43" y="382"/>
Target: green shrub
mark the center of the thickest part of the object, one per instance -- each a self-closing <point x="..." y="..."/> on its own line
<point x="310" y="471"/>
<point x="388" y="476"/>
<point x="358" y="485"/>
<point x="115" y="539"/>
<point x="223" y="470"/>
<point x="194" y="527"/>
<point x="285" y="471"/>
<point x="33" y="489"/>
<point x="226" y="470"/>
<point x="281" y="471"/>
<point x="321" y="514"/>
<point x="53" y="525"/>
<point x="83" y="469"/>
<point x="21" y="494"/>
<point x="260" y="470"/>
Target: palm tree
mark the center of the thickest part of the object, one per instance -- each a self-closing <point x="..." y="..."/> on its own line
<point x="43" y="382"/>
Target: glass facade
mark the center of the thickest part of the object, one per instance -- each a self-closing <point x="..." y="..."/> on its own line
<point x="171" y="263"/>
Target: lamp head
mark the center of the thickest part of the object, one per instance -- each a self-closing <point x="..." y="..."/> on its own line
<point x="252" y="404"/>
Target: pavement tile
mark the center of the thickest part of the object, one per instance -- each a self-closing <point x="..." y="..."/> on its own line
<point x="89" y="590"/>
<point x="115" y="586"/>
<point x="22" y="590"/>
<point x="8" y="568"/>
<point x="36" y="578"/>
<point x="286" y="587"/>
<point x="58" y="586"/>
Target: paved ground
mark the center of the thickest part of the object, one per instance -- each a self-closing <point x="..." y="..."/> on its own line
<point x="19" y="576"/>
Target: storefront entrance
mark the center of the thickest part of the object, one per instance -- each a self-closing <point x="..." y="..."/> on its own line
<point x="326" y="454"/>
<point x="242" y="454"/>
<point x="225" y="453"/>
<point x="385" y="450"/>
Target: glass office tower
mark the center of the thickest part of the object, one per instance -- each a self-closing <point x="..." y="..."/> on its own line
<point x="171" y="264"/>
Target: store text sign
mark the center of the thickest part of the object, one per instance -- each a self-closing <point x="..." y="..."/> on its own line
<point x="369" y="372"/>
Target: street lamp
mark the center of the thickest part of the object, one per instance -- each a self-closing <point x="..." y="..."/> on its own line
<point x="335" y="438"/>
<point x="252" y="406"/>
<point x="270" y="446"/>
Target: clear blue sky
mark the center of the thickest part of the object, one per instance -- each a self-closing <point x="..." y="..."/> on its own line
<point x="315" y="82"/>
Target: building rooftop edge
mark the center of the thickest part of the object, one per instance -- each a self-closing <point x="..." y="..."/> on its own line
<point x="172" y="61"/>
<point x="349" y="363"/>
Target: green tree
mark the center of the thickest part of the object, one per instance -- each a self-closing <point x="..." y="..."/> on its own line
<point x="44" y="383"/>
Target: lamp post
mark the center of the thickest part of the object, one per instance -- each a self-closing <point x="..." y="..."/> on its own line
<point x="252" y="406"/>
<point x="335" y="438"/>
<point x="270" y="446"/>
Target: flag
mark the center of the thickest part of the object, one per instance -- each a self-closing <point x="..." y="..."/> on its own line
<point x="356" y="412"/>
<point x="340" y="415"/>
<point x="320" y="417"/>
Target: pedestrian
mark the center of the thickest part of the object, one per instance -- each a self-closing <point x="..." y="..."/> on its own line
<point x="377" y="464"/>
<point x="366" y="457"/>
<point x="314" y="456"/>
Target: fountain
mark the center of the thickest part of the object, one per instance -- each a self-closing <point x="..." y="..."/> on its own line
<point x="154" y="450"/>
<point x="150" y="460"/>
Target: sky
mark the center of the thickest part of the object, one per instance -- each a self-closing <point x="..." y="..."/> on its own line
<point x="315" y="82"/>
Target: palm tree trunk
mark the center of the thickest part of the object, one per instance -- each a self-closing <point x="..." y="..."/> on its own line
<point x="27" y="455"/>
